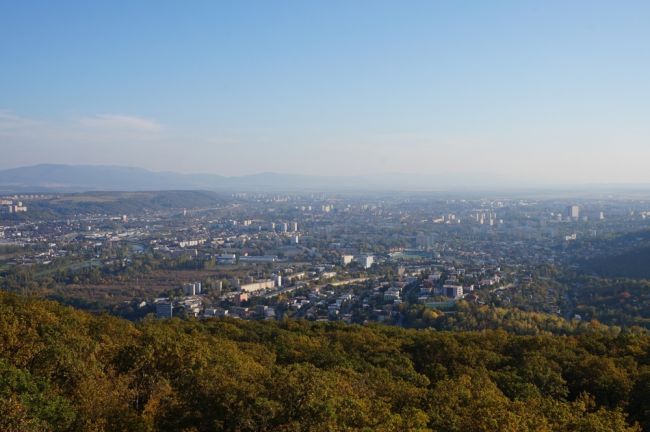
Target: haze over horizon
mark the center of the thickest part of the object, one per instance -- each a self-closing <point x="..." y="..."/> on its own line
<point x="549" y="92"/>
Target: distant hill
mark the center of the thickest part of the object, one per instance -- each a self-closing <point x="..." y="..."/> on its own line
<point x="76" y="178"/>
<point x="80" y="178"/>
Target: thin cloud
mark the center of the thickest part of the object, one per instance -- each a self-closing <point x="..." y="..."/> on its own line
<point x="11" y="121"/>
<point x="79" y="139"/>
<point x="113" y="139"/>
<point x="120" y="122"/>
<point x="89" y="129"/>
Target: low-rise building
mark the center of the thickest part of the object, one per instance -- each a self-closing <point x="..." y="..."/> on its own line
<point x="258" y="286"/>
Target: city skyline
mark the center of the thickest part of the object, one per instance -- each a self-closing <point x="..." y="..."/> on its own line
<point x="549" y="93"/>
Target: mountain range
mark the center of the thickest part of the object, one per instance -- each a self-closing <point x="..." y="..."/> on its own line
<point x="79" y="178"/>
<point x="83" y="178"/>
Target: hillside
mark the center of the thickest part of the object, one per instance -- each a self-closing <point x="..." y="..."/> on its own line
<point x="117" y="203"/>
<point x="66" y="370"/>
<point x="634" y="263"/>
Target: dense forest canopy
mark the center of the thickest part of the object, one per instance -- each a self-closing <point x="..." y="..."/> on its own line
<point x="66" y="370"/>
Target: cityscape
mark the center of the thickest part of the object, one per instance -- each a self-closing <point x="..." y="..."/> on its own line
<point x="357" y="259"/>
<point x="324" y="216"/>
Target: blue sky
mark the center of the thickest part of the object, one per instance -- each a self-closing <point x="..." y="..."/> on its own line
<point x="546" y="91"/>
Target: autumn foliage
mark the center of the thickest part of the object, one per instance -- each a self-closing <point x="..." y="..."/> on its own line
<point x="66" y="370"/>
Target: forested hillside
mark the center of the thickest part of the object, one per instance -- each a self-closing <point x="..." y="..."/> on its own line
<point x="66" y="370"/>
<point x="634" y="263"/>
<point x="622" y="256"/>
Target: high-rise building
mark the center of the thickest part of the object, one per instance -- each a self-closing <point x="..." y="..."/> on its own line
<point x="453" y="291"/>
<point x="573" y="212"/>
<point x="17" y="208"/>
<point x="366" y="261"/>
<point x="192" y="288"/>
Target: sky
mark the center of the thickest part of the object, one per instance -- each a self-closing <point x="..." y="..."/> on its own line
<point x="533" y="91"/>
